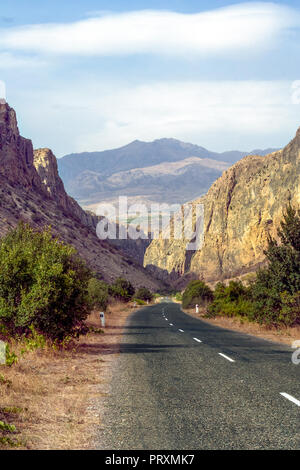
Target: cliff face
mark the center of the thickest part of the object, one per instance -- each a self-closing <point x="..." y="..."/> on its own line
<point x="240" y="209"/>
<point x="16" y="153"/>
<point x="46" y="165"/>
<point x="31" y="190"/>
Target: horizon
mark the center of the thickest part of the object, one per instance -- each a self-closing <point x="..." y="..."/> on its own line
<point x="168" y="139"/>
<point x="220" y="74"/>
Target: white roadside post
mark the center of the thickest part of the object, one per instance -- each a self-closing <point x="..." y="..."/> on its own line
<point x="102" y="319"/>
<point x="197" y="308"/>
<point x="2" y="352"/>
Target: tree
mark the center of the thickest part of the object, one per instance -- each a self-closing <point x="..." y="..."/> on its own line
<point x="196" y="292"/>
<point x="144" y="294"/>
<point x="122" y="290"/>
<point x="43" y="283"/>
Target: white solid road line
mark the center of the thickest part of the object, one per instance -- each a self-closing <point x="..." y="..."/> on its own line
<point x="226" y="357"/>
<point x="289" y="397"/>
<point x="181" y="331"/>
<point x="198" y="340"/>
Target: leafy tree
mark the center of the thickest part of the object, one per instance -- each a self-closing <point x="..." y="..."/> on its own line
<point x="144" y="294"/>
<point x="196" y="292"/>
<point x="98" y="294"/>
<point x="122" y="290"/>
<point x="277" y="287"/>
<point x="43" y="283"/>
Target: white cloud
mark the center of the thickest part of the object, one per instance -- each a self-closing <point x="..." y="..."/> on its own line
<point x="247" y="26"/>
<point x="218" y="115"/>
<point x="10" y="61"/>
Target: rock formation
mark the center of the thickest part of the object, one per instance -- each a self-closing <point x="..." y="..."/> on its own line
<point x="240" y="209"/>
<point x="46" y="165"/>
<point x="31" y="191"/>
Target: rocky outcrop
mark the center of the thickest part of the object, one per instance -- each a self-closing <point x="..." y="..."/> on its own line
<point x="31" y="191"/>
<point x="16" y="153"/>
<point x="46" y="165"/>
<point x="240" y="209"/>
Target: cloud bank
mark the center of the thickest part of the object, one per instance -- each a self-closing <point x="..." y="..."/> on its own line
<point x="247" y="26"/>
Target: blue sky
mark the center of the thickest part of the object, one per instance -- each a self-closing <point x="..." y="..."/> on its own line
<point x="91" y="75"/>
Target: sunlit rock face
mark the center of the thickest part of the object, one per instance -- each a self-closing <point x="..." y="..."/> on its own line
<point x="240" y="209"/>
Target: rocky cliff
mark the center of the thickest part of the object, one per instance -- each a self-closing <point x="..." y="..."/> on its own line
<point x="240" y="209"/>
<point x="30" y="190"/>
<point x="46" y="165"/>
<point x="16" y="153"/>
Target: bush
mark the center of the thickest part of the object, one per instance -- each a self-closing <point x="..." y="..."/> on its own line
<point x="43" y="283"/>
<point x="232" y="300"/>
<point x="178" y="296"/>
<point x="122" y="290"/>
<point x="144" y="294"/>
<point x="196" y="292"/>
<point x="98" y="294"/>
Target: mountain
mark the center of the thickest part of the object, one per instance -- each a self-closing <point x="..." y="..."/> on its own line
<point x="165" y="170"/>
<point x="32" y="191"/>
<point x="240" y="209"/>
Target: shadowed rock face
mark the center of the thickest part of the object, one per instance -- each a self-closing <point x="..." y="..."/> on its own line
<point x="241" y="208"/>
<point x="16" y="153"/>
<point x="31" y="190"/>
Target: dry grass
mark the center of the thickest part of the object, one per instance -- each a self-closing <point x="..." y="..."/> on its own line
<point x="46" y="394"/>
<point x="282" y="335"/>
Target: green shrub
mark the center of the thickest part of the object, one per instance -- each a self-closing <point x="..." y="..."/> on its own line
<point x="273" y="297"/>
<point x="43" y="283"/>
<point x="98" y="294"/>
<point x="196" y="292"/>
<point x="122" y="290"/>
<point x="178" y="296"/>
<point x="144" y="294"/>
<point x="11" y="357"/>
<point x="232" y="300"/>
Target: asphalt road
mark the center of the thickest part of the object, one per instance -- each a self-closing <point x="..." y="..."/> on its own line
<point x="203" y="387"/>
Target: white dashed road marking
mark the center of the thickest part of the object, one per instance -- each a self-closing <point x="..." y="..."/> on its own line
<point x="171" y="324"/>
<point x="289" y="397"/>
<point x="181" y="331"/>
<point x="226" y="357"/>
<point x="198" y="340"/>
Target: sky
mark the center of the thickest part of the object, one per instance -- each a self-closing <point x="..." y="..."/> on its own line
<point x="91" y="75"/>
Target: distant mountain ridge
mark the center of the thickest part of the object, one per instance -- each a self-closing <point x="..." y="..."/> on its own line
<point x="143" y="169"/>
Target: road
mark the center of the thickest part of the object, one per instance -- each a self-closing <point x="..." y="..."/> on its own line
<point x="182" y="384"/>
